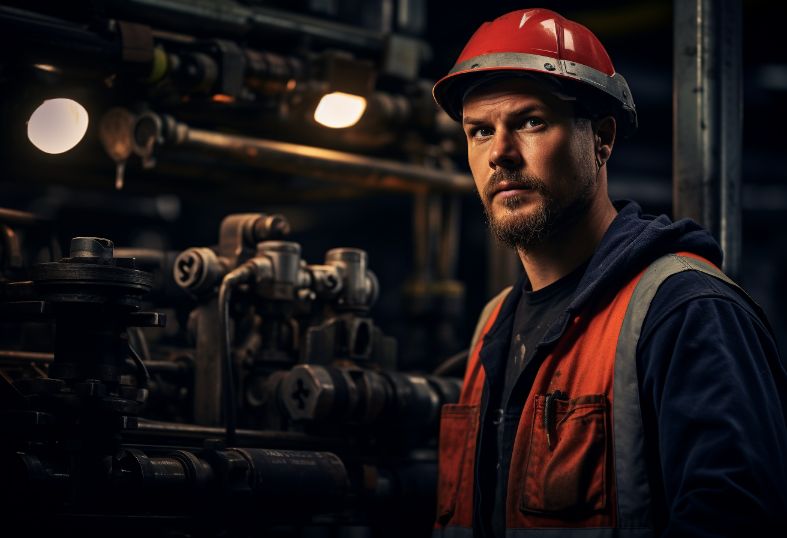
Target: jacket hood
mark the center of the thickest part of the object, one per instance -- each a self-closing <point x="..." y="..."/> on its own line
<point x="631" y="243"/>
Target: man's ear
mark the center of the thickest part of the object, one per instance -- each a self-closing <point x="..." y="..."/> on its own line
<point x="604" y="131"/>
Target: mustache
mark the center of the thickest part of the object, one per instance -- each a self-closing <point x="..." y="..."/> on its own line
<point x="513" y="176"/>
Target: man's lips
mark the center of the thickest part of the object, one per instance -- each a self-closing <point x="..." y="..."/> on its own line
<point x="511" y="187"/>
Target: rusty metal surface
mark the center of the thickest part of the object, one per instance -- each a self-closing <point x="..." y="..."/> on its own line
<point x="27" y="356"/>
<point x="327" y="164"/>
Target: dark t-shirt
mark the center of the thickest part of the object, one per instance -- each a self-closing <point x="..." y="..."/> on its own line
<point x="535" y="312"/>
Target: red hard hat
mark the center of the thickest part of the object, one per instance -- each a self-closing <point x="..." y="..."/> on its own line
<point x="539" y="41"/>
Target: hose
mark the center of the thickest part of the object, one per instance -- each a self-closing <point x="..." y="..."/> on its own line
<point x="143" y="376"/>
<point x="139" y="336"/>
<point x="229" y="282"/>
<point x="453" y="365"/>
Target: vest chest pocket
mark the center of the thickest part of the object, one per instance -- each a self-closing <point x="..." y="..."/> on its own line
<point x="566" y="467"/>
<point x="456" y="463"/>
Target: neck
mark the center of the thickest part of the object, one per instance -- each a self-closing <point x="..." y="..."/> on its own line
<point x="569" y="247"/>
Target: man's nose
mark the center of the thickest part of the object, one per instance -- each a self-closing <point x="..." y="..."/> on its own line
<point x="504" y="152"/>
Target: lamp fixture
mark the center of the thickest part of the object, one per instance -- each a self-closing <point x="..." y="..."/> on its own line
<point x="338" y="110"/>
<point x="57" y="125"/>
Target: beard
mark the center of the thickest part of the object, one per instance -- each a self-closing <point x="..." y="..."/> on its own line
<point x="524" y="232"/>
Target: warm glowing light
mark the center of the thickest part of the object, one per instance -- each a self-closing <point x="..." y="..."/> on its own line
<point x="57" y="125"/>
<point x="222" y="98"/>
<point x="338" y="110"/>
<point x="49" y="68"/>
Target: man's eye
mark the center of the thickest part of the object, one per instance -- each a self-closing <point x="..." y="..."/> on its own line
<point x="481" y="132"/>
<point x="532" y="123"/>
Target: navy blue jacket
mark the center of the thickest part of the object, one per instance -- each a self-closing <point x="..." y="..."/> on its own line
<point x="713" y="391"/>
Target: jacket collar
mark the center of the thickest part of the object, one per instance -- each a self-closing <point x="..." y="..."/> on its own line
<point x="630" y="244"/>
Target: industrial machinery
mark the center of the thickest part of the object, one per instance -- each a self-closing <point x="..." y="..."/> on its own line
<point x="246" y="103"/>
<point x="294" y="418"/>
<point x="240" y="388"/>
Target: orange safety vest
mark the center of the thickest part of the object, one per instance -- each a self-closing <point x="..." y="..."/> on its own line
<point x="582" y="466"/>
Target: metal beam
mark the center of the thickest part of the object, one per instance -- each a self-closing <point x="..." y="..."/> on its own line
<point x="708" y="120"/>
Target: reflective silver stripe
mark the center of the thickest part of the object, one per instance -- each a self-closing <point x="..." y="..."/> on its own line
<point x="614" y="85"/>
<point x="633" y="491"/>
<point x="604" y="532"/>
<point x="453" y="532"/>
<point x="486" y="313"/>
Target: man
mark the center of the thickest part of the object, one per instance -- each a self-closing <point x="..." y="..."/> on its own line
<point x="624" y="386"/>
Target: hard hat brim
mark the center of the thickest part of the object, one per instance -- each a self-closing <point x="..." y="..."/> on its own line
<point x="448" y="91"/>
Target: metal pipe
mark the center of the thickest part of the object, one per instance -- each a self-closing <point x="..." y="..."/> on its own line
<point x="178" y="368"/>
<point x="155" y="366"/>
<point x="146" y="256"/>
<point x="22" y="218"/>
<point x="312" y="161"/>
<point x="234" y="278"/>
<point x="708" y="120"/>
<point x="207" y="370"/>
<point x="329" y="164"/>
<point x="27" y="356"/>
<point x="238" y="20"/>
<point x="44" y="37"/>
<point x="150" y="429"/>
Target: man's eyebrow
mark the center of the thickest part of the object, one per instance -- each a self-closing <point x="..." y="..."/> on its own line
<point x="471" y="121"/>
<point x="527" y="109"/>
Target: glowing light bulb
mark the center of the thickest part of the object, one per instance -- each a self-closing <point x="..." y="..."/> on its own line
<point x="57" y="125"/>
<point x="49" y="68"/>
<point x="338" y="110"/>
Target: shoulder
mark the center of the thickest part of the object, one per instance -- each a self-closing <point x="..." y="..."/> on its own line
<point x="699" y="326"/>
<point x="692" y="293"/>
<point x="701" y="334"/>
<point x="713" y="397"/>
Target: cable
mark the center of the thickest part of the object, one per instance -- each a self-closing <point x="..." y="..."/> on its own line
<point x="228" y="393"/>
<point x="143" y="376"/>
<point x="453" y="365"/>
<point x="139" y="336"/>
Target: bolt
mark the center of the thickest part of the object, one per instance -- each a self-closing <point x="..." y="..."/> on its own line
<point x="126" y="422"/>
<point x="198" y="270"/>
<point x="276" y="226"/>
<point x="308" y="392"/>
<point x="188" y="268"/>
<point x="90" y="388"/>
<point x="91" y="247"/>
<point x="300" y="394"/>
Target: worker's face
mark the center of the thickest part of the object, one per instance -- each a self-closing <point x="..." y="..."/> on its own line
<point x="533" y="163"/>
